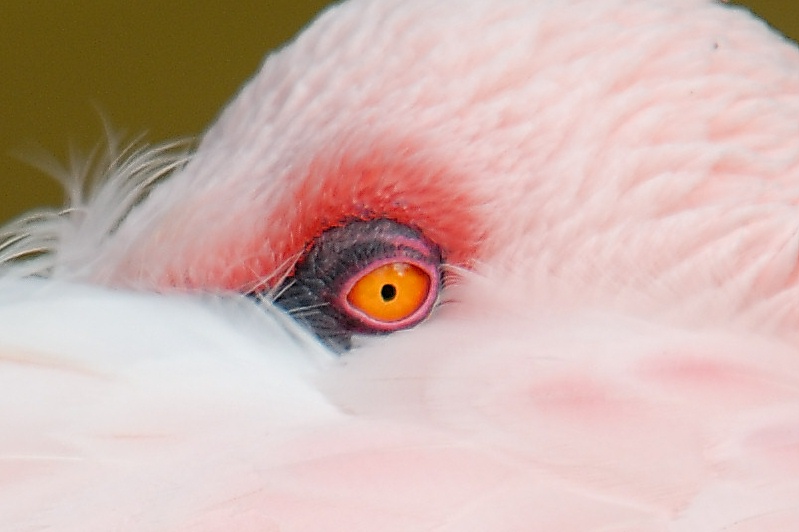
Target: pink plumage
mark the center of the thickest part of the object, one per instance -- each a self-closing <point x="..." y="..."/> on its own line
<point x="613" y="187"/>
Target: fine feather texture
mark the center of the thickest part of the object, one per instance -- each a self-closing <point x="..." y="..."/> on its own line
<point x="152" y="413"/>
<point x="101" y="190"/>
<point x="613" y="185"/>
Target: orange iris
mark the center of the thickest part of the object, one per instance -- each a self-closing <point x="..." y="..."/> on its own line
<point x="391" y="292"/>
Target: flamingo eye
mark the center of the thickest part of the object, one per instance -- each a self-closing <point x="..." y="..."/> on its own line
<point x="391" y="294"/>
<point x="364" y="277"/>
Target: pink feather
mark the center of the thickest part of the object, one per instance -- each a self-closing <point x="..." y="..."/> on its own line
<point x="614" y="185"/>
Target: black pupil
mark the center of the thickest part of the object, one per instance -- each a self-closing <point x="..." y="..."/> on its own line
<point x="388" y="292"/>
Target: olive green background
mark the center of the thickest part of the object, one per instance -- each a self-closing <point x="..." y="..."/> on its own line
<point x="163" y="68"/>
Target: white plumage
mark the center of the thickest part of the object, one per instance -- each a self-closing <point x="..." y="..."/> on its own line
<point x="613" y="187"/>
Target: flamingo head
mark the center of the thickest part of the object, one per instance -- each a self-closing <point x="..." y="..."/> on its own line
<point x="580" y="219"/>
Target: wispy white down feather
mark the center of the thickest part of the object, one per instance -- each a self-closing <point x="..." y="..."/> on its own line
<point x="101" y="188"/>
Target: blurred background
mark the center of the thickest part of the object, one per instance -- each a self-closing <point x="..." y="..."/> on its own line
<point x="160" y="68"/>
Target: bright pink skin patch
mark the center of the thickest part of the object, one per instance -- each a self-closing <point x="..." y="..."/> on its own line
<point x="367" y="190"/>
<point x="325" y="196"/>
